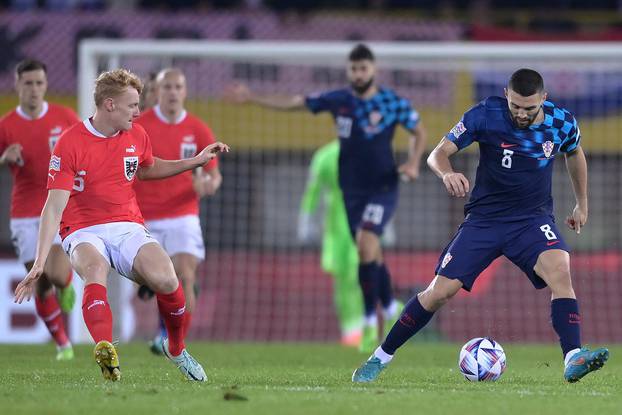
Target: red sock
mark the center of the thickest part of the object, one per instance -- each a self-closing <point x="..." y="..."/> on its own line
<point x="187" y="321"/>
<point x="172" y="310"/>
<point x="96" y="312"/>
<point x="49" y="311"/>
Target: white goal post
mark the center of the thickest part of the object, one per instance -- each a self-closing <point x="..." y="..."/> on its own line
<point x="328" y="53"/>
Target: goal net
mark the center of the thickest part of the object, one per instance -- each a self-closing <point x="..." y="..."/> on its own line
<point x="260" y="283"/>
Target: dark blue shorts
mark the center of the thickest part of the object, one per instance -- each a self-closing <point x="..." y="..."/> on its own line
<point x="478" y="242"/>
<point x="371" y="211"/>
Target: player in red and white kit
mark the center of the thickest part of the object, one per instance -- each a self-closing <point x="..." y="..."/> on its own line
<point x="90" y="181"/>
<point x="171" y="206"/>
<point x="27" y="137"/>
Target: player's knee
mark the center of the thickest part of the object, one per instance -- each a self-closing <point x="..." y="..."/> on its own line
<point x="95" y="271"/>
<point x="556" y="274"/>
<point x="367" y="252"/>
<point x="435" y="298"/>
<point x="164" y="283"/>
<point x="366" y="256"/>
<point x="560" y="283"/>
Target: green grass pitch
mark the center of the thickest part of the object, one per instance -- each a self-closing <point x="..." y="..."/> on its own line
<point x="283" y="379"/>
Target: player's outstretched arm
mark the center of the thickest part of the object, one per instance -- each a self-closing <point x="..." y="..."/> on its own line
<point x="576" y="165"/>
<point x="416" y="146"/>
<point x="438" y="160"/>
<point x="161" y="169"/>
<point x="241" y="94"/>
<point x="50" y="220"/>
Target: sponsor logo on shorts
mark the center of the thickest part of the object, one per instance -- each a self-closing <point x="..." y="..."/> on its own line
<point x="446" y="260"/>
<point x="55" y="163"/>
<point x="458" y="130"/>
<point x="178" y="312"/>
<point x="551" y="243"/>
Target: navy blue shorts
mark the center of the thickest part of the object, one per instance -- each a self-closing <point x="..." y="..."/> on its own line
<point x="478" y="242"/>
<point x="371" y="211"/>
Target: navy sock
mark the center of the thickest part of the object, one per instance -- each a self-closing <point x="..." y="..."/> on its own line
<point x="385" y="292"/>
<point x="413" y="318"/>
<point x="368" y="278"/>
<point x="567" y="323"/>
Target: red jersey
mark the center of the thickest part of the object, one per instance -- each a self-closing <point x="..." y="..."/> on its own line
<point x="99" y="172"/>
<point x="37" y="137"/>
<point x="174" y="196"/>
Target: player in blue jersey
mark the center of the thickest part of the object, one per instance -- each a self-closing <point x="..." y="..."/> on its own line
<point x="366" y="116"/>
<point x="510" y="212"/>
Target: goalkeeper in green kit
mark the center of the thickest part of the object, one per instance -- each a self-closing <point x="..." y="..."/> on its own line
<point x="339" y="253"/>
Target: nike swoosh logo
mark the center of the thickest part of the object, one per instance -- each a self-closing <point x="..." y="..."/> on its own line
<point x="505" y="145"/>
<point x="578" y="362"/>
<point x="552" y="243"/>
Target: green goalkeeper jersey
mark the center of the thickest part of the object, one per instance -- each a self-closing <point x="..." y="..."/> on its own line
<point x="338" y="248"/>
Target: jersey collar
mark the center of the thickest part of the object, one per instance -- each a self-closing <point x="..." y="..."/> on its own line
<point x="22" y="113"/>
<point x="158" y="112"/>
<point x="89" y="126"/>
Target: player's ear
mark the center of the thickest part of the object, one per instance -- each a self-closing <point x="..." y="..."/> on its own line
<point x="505" y="92"/>
<point x="109" y="104"/>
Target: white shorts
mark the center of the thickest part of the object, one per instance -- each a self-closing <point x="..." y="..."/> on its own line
<point x="117" y="242"/>
<point x="24" y="235"/>
<point x="181" y="235"/>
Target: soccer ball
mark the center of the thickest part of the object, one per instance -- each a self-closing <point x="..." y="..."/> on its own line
<point x="482" y="359"/>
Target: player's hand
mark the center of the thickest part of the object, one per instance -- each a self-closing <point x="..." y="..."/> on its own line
<point x="456" y="184"/>
<point x="26" y="287"/>
<point x="13" y="155"/>
<point x="409" y="172"/>
<point x="577" y="219"/>
<point x="209" y="152"/>
<point x="203" y="184"/>
<point x="238" y="93"/>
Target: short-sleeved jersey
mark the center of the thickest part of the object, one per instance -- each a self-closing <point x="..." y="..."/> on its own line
<point x="366" y="129"/>
<point x="515" y="169"/>
<point x="37" y="138"/>
<point x="99" y="172"/>
<point x="173" y="196"/>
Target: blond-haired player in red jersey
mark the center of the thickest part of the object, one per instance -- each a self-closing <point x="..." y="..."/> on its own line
<point x="171" y="206"/>
<point x="27" y="137"/>
<point x="91" y="196"/>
